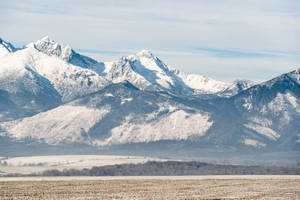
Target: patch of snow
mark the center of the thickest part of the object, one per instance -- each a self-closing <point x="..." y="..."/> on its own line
<point x="261" y="121"/>
<point x="247" y="105"/>
<point x="109" y="95"/>
<point x="255" y="143"/>
<point x="266" y="131"/>
<point x="108" y="66"/>
<point x="264" y="109"/>
<point x="283" y="102"/>
<point x="126" y="100"/>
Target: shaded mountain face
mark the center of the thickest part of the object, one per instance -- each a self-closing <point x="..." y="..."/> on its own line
<point x="118" y="114"/>
<point x="272" y="109"/>
<point x="26" y="95"/>
<point x="53" y="95"/>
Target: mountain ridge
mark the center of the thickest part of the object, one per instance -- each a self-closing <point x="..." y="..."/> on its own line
<point x="54" y="96"/>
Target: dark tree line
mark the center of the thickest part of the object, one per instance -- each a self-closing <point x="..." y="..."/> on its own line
<point x="173" y="168"/>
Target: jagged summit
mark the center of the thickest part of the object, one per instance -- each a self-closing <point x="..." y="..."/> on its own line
<point x="52" y="48"/>
<point x="295" y="75"/>
<point x="145" y="53"/>
<point x="45" y="39"/>
<point x="66" y="53"/>
<point x="143" y="69"/>
<point x="290" y="78"/>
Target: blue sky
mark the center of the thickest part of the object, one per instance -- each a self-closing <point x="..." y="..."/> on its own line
<point x="226" y="40"/>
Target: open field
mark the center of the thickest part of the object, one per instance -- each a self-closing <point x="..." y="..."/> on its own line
<point x="199" y="187"/>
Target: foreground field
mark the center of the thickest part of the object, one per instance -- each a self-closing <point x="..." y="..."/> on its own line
<point x="217" y="187"/>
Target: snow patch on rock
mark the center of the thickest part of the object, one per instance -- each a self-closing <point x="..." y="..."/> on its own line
<point x="255" y="143"/>
<point x="178" y="125"/>
<point x="284" y="102"/>
<point x="266" y="131"/>
<point x="126" y="100"/>
<point x="63" y="124"/>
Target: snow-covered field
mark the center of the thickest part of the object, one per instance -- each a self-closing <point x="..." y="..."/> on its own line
<point x="144" y="188"/>
<point x="32" y="164"/>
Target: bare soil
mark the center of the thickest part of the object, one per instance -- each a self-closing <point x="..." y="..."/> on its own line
<point x="173" y="189"/>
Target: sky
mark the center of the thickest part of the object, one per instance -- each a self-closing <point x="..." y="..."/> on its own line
<point x="222" y="39"/>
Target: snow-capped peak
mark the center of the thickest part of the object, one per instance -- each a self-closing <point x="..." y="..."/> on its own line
<point x="52" y="48"/>
<point x="290" y="78"/>
<point x="145" y="53"/>
<point x="46" y="39"/>
<point x="295" y="75"/>
<point x="142" y="55"/>
<point x="149" y="61"/>
<point x="146" y="71"/>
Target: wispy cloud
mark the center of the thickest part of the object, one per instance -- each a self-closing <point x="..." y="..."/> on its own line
<point x="223" y="53"/>
<point x="263" y="33"/>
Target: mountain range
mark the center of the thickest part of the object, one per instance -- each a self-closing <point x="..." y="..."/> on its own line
<point x="51" y="96"/>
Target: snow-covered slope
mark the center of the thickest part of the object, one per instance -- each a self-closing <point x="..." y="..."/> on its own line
<point x="24" y="91"/>
<point x="118" y="114"/>
<point x="272" y="108"/>
<point x="203" y="84"/>
<point x="69" y="80"/>
<point x="44" y="70"/>
<point x="66" y="123"/>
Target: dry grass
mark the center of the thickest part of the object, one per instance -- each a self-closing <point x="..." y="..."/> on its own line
<point x="152" y="189"/>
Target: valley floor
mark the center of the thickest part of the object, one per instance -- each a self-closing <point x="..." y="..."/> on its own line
<point x="35" y="164"/>
<point x="144" y="188"/>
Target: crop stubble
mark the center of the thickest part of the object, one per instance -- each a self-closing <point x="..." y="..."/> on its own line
<point x="152" y="189"/>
